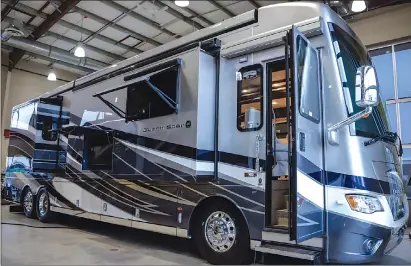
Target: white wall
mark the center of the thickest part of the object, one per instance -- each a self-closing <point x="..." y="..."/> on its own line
<point x="24" y="86"/>
<point x="383" y="25"/>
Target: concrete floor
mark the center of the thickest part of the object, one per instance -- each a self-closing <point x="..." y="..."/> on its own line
<point x="72" y="241"/>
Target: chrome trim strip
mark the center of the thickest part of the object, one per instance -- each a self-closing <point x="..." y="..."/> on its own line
<point x="287" y="252"/>
<point x="125" y="222"/>
<point x="284" y="238"/>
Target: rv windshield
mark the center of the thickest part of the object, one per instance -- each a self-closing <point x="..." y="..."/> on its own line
<point x="351" y="55"/>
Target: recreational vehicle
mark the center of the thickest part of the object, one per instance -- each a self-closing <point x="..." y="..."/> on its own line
<point x="262" y="133"/>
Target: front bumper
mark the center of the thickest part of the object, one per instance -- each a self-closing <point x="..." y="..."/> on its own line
<point x="397" y="235"/>
<point x="347" y="237"/>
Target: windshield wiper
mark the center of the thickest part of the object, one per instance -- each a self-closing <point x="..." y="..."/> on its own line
<point x="386" y="136"/>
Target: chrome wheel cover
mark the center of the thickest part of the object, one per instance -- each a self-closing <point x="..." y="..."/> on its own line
<point x="43" y="204"/>
<point x="220" y="231"/>
<point x="28" y="201"/>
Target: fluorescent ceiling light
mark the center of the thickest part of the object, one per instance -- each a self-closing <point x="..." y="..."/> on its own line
<point x="182" y="3"/>
<point x="358" y="6"/>
<point x="52" y="76"/>
<point x="79" y="52"/>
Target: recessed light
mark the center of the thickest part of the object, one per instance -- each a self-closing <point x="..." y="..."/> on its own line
<point x="358" y="6"/>
<point x="182" y="3"/>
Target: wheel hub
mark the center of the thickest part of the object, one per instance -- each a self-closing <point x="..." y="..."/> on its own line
<point x="43" y="204"/>
<point x="220" y="231"/>
<point x="28" y="201"/>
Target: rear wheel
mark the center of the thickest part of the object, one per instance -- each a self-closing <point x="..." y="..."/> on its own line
<point x="28" y="202"/>
<point x="43" y="205"/>
<point x="221" y="234"/>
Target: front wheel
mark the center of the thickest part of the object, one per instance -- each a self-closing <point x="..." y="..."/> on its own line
<point x="221" y="235"/>
<point x="43" y="205"/>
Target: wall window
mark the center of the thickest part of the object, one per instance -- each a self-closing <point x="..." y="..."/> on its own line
<point x="397" y="94"/>
<point x="250" y="98"/>
<point x="406" y="159"/>
<point x="405" y="112"/>
<point x="392" y="116"/>
<point x="308" y="80"/>
<point x="403" y="67"/>
<point x="154" y="96"/>
<point x="382" y="61"/>
<point x="97" y="150"/>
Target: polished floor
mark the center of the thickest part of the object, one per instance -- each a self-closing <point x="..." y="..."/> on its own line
<point x="72" y="241"/>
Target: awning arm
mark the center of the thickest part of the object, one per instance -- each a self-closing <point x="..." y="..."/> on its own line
<point x="162" y="95"/>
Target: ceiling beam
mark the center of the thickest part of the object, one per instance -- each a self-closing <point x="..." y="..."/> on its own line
<point x="139" y="17"/>
<point x="65" y="7"/>
<point x="254" y="3"/>
<point x="75" y="27"/>
<point x="178" y="15"/>
<point x="200" y="17"/>
<point x="116" y="26"/>
<point x="9" y="6"/>
<point x="222" y="8"/>
<point x="40" y="10"/>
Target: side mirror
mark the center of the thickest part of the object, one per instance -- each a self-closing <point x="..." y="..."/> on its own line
<point x="366" y="96"/>
<point x="366" y="87"/>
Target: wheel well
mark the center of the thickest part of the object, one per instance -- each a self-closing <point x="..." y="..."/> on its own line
<point x="213" y="200"/>
<point x="22" y="193"/>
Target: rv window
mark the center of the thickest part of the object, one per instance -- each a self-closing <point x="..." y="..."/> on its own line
<point x="250" y="98"/>
<point x="154" y="96"/>
<point x="97" y="150"/>
<point x="308" y="80"/>
<point x="49" y="124"/>
<point x="350" y="55"/>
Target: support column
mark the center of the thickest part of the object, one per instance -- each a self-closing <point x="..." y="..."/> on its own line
<point x="5" y="121"/>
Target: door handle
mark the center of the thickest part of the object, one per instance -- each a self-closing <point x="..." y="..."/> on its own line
<point x="302" y="141"/>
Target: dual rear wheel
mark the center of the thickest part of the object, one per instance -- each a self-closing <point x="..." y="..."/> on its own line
<point x="36" y="205"/>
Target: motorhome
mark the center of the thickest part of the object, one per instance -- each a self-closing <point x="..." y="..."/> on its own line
<point x="262" y="133"/>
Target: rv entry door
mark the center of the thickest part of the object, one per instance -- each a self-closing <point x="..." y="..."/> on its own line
<point x="306" y="139"/>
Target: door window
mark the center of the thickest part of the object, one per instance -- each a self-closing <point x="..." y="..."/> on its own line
<point x="308" y="81"/>
<point x="250" y="98"/>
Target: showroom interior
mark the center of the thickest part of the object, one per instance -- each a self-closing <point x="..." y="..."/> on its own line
<point x="62" y="44"/>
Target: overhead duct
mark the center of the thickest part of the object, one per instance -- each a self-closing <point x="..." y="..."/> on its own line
<point x="52" y="52"/>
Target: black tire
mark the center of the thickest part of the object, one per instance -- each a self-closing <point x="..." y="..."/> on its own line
<point x="28" y="202"/>
<point x="239" y="253"/>
<point x="44" y="213"/>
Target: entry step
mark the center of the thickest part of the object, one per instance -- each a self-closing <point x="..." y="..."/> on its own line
<point x="287" y="251"/>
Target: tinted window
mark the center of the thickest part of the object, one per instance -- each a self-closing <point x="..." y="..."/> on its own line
<point x="48" y="125"/>
<point x="98" y="150"/>
<point x="403" y="66"/>
<point x="154" y="96"/>
<point x="382" y="60"/>
<point x="351" y="55"/>
<point x="250" y="98"/>
<point x="308" y="80"/>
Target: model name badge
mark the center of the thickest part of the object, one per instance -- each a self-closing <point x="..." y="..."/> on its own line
<point x="172" y="126"/>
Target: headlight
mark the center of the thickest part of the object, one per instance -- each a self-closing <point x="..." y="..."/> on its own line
<point x="364" y="204"/>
